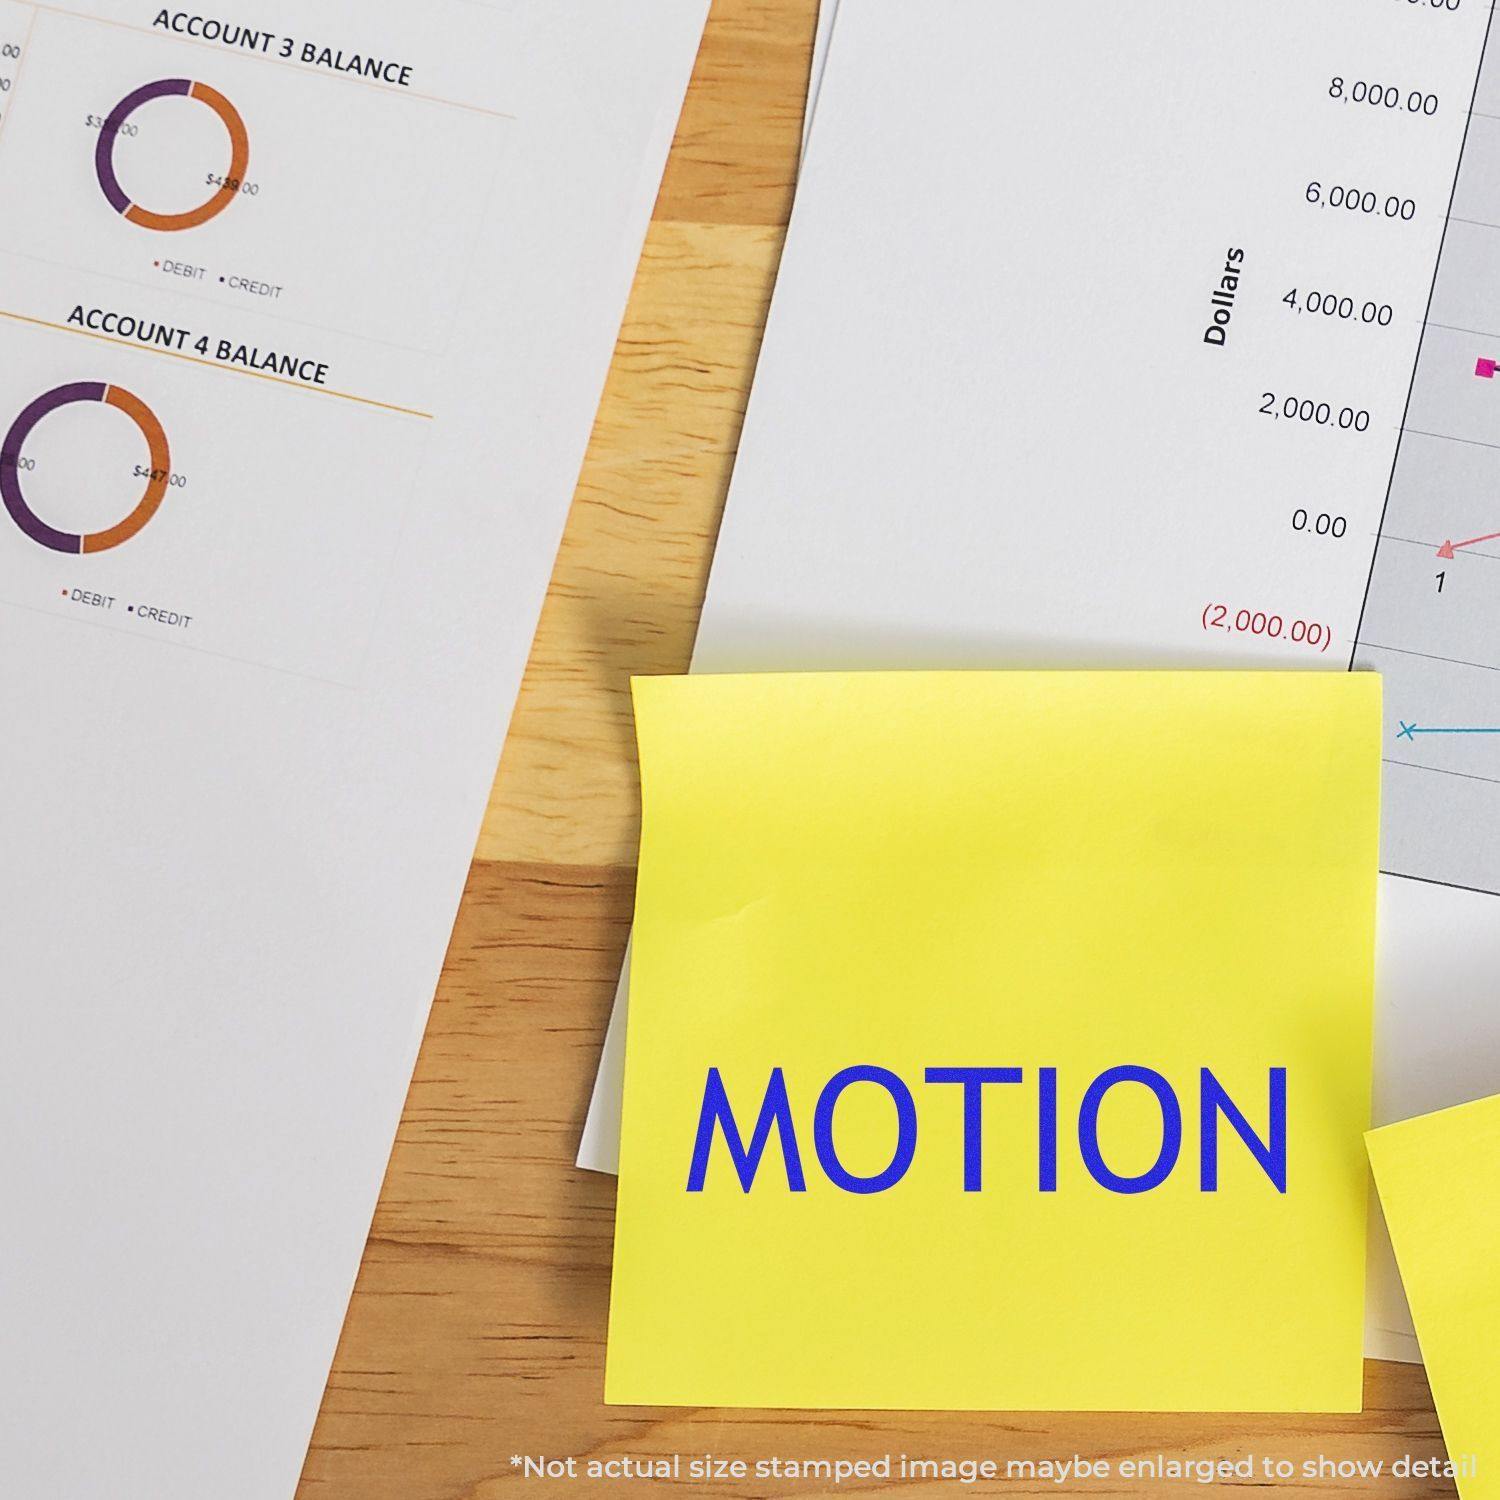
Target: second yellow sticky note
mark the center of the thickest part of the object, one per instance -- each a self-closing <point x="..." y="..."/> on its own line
<point x="999" y="1041"/>
<point x="1438" y="1188"/>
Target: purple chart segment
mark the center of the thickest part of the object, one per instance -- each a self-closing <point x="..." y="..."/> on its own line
<point x="104" y="151"/>
<point x="10" y="465"/>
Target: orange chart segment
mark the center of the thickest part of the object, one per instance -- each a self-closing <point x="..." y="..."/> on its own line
<point x="156" y="486"/>
<point x="233" y="180"/>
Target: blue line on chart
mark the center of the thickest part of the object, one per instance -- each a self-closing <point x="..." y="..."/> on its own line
<point x="1411" y="731"/>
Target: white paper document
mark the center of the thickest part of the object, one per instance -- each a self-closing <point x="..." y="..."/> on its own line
<point x="827" y="13"/>
<point x="305" y="309"/>
<point x="1102" y="337"/>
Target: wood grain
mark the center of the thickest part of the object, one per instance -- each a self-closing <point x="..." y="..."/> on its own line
<point x="630" y="576"/>
<point x="476" y="1331"/>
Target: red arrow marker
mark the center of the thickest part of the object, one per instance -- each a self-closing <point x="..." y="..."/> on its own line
<point x="1447" y="550"/>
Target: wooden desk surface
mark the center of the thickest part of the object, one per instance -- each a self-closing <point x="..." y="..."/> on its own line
<point x="477" y="1328"/>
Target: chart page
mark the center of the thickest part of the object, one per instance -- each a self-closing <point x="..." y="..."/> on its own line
<point x="1430" y="621"/>
<point x="305" y="311"/>
<point x="210" y="391"/>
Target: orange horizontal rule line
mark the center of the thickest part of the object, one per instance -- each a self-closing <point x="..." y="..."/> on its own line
<point x="213" y="364"/>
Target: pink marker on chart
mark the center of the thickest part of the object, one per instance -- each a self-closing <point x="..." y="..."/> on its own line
<point x="1485" y="369"/>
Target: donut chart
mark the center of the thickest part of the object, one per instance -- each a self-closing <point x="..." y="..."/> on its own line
<point x="167" y="88"/>
<point x="78" y="543"/>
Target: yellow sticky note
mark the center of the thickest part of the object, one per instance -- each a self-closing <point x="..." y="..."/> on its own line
<point x="999" y="1040"/>
<point x="1441" y="1200"/>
